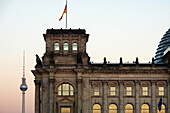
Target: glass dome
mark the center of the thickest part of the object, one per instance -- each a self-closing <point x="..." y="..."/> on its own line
<point x="163" y="45"/>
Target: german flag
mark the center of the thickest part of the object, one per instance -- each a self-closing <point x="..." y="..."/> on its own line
<point x="65" y="11"/>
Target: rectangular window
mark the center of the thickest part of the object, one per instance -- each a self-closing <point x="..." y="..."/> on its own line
<point x="96" y="91"/>
<point x="129" y="91"/>
<point x="145" y="91"/>
<point x="161" y="91"/>
<point x="112" y="91"/>
<point x="65" y="109"/>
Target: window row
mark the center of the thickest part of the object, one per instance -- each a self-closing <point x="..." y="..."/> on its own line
<point x="128" y="108"/>
<point x="65" y="46"/>
<point x="66" y="89"/>
<point x="129" y="91"/>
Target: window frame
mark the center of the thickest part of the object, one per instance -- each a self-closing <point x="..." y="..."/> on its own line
<point x="97" y="109"/>
<point x="96" y="89"/>
<point x="112" y="91"/>
<point x="129" y="109"/>
<point x="113" y="110"/>
<point x="143" y="110"/>
<point x="130" y="91"/>
<point x="64" y="46"/>
<point x="69" y="91"/>
<point x="161" y="93"/>
<point x="57" y="46"/>
<point x="74" y="49"/>
<point x="147" y="91"/>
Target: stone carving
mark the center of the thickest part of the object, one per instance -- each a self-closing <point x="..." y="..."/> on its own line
<point x="137" y="60"/>
<point x="121" y="61"/>
<point x="153" y="60"/>
<point x="105" y="62"/>
<point x="39" y="63"/>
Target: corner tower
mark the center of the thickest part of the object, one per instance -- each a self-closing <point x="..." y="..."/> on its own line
<point x="65" y="47"/>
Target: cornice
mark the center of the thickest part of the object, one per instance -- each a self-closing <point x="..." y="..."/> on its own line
<point x="127" y="71"/>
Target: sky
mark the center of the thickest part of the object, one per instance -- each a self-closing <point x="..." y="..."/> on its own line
<point x="117" y="28"/>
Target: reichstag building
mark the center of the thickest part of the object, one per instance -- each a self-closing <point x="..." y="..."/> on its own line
<point x="66" y="81"/>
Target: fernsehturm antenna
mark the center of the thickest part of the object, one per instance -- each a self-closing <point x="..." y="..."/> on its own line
<point x="23" y="86"/>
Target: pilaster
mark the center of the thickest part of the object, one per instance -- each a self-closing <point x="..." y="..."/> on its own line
<point x="51" y="95"/>
<point x="79" y="81"/>
<point x="137" y="97"/>
<point x="104" y="97"/>
<point x="121" y="90"/>
<point x="45" y="91"/>
<point x="37" y="96"/>
<point x="85" y="97"/>
<point x="153" y="98"/>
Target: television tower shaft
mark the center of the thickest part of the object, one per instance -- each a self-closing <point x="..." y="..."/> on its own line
<point x="23" y="86"/>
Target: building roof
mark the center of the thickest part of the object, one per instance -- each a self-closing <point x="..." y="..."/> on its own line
<point x="163" y="45"/>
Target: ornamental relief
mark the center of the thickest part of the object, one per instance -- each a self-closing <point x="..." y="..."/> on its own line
<point x="129" y="83"/>
<point x="161" y="83"/>
<point x="145" y="83"/>
<point x="112" y="83"/>
<point x="96" y="83"/>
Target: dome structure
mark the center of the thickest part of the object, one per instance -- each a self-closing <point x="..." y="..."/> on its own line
<point x="163" y="45"/>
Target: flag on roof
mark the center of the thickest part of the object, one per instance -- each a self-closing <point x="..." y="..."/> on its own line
<point x="65" y="11"/>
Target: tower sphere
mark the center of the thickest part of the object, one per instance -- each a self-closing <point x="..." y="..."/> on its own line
<point x="23" y="86"/>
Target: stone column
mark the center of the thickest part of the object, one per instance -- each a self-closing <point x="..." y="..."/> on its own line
<point x="45" y="95"/>
<point x="137" y="97"/>
<point x="121" y="93"/>
<point x="85" y="96"/>
<point x="104" y="97"/>
<point x="79" y="95"/>
<point x="37" y="96"/>
<point x="51" y="95"/>
<point x="153" y="98"/>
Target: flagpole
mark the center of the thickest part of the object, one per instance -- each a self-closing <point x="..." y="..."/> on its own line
<point x="66" y="14"/>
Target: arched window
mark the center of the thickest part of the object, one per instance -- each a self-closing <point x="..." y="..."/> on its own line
<point x="112" y="108"/>
<point x="56" y="46"/>
<point x="65" y="90"/>
<point x="74" y="46"/>
<point x="96" y="108"/>
<point x="129" y="108"/>
<point x="65" y="46"/>
<point x="145" y="108"/>
<point x="162" y="109"/>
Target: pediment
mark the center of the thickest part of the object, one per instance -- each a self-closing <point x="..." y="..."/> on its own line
<point x="66" y="100"/>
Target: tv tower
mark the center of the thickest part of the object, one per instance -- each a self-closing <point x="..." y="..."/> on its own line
<point x="23" y="86"/>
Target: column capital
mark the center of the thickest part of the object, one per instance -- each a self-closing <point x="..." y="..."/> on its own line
<point x="153" y="81"/>
<point x="120" y="81"/>
<point x="79" y="80"/>
<point x="51" y="80"/>
<point x="37" y="82"/>
<point x="104" y="81"/>
<point x="137" y="81"/>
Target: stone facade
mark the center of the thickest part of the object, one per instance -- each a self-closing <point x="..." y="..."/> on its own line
<point x="68" y="63"/>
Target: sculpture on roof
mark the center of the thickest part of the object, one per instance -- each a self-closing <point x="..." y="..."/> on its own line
<point x="39" y="63"/>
